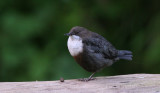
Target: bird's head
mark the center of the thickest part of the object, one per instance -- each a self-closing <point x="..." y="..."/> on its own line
<point x="77" y="31"/>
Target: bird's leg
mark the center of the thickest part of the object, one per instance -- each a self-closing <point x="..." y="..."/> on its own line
<point x="89" y="78"/>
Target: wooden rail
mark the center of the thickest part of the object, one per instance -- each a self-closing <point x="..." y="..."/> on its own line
<point x="134" y="83"/>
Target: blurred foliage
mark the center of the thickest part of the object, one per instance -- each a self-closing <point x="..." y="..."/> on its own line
<point x="33" y="45"/>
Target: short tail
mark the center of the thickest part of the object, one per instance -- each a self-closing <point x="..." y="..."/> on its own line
<point x="125" y="54"/>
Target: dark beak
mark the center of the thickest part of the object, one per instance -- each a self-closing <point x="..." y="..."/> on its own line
<point x="67" y="34"/>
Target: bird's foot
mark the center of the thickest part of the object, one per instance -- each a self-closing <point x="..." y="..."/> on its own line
<point x="86" y="79"/>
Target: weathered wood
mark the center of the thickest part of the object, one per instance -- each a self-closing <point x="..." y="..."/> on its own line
<point x="135" y="83"/>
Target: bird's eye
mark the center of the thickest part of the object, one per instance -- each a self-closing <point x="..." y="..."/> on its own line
<point x="76" y="32"/>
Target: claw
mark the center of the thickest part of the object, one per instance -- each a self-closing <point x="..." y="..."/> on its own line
<point x="86" y="79"/>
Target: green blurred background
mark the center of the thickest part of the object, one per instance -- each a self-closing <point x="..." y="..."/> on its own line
<point x="33" y="45"/>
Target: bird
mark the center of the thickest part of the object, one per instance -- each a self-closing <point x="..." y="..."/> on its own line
<point x="92" y="51"/>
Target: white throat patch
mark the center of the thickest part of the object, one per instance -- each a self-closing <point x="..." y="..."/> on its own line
<point x="75" y="45"/>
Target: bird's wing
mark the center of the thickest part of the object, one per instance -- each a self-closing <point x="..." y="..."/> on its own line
<point x="100" y="45"/>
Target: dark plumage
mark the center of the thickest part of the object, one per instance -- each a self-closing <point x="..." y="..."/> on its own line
<point x="96" y="52"/>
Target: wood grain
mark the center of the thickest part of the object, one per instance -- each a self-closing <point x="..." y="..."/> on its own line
<point x="134" y="83"/>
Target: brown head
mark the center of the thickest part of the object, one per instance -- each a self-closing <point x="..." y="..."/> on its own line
<point x="78" y="31"/>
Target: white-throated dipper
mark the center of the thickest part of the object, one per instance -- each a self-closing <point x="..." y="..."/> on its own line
<point x="92" y="51"/>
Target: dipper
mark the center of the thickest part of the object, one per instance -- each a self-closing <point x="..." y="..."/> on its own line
<point x="92" y="51"/>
